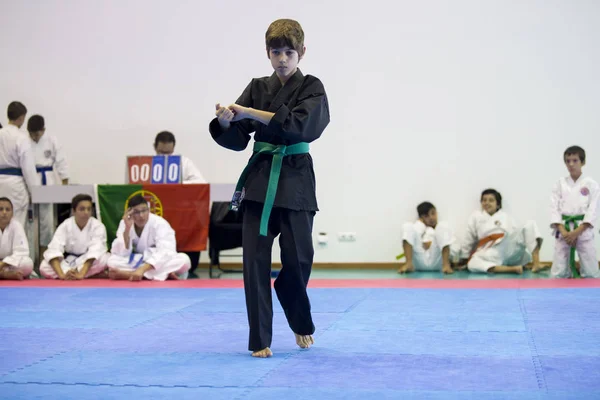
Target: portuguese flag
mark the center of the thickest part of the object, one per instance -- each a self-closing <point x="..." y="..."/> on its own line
<point x="185" y="207"/>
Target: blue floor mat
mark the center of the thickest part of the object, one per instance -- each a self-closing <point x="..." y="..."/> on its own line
<point x="322" y="368"/>
<point x="87" y="392"/>
<point x="370" y="343"/>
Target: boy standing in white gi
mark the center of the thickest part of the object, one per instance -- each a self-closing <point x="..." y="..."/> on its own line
<point x="17" y="165"/>
<point x="574" y="204"/>
<point x="52" y="169"/>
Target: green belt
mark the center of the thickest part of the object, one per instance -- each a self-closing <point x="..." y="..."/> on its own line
<point x="278" y="152"/>
<point x="567" y="219"/>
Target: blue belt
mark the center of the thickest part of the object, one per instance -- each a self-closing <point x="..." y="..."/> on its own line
<point x="43" y="171"/>
<point x="11" y="171"/>
<point x="140" y="261"/>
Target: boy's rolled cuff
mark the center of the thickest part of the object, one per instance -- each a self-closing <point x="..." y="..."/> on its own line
<point x="588" y="220"/>
<point x="215" y="128"/>
<point x="279" y="118"/>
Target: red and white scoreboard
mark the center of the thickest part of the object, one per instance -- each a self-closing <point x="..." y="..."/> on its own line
<point x="154" y="169"/>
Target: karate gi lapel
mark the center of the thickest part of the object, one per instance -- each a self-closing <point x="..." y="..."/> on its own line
<point x="6" y="241"/>
<point x="286" y="92"/>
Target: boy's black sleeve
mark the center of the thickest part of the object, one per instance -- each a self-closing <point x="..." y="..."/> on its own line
<point x="307" y="120"/>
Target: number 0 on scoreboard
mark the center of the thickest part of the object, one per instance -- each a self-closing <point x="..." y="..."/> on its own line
<point x="153" y="169"/>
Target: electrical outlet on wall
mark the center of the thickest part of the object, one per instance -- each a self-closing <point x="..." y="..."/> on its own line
<point x="347" y="236"/>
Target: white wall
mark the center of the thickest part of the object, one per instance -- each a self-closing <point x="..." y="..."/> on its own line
<point x="430" y="100"/>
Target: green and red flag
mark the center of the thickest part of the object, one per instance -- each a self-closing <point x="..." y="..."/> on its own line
<point x="185" y="207"/>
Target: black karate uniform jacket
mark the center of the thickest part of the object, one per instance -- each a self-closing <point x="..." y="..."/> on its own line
<point x="301" y="115"/>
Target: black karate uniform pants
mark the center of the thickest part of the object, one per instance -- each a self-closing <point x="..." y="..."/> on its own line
<point x="295" y="241"/>
<point x="194" y="259"/>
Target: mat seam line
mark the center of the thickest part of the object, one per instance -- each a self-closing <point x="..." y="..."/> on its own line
<point x="16" y="370"/>
<point x="535" y="358"/>
<point x="123" y="385"/>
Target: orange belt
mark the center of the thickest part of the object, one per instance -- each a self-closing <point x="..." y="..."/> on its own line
<point x="488" y="239"/>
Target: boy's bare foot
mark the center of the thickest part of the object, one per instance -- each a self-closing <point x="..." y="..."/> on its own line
<point x="538" y="267"/>
<point x="118" y="274"/>
<point x="11" y="275"/>
<point x="519" y="270"/>
<point x="408" y="267"/>
<point x="304" y="341"/>
<point x="100" y="275"/>
<point x="264" y="353"/>
<point x="507" y="269"/>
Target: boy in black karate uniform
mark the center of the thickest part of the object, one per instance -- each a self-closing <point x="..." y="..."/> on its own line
<point x="287" y="111"/>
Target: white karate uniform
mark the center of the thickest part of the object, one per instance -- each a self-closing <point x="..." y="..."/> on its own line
<point x="575" y="198"/>
<point x="189" y="172"/>
<point x="417" y="234"/>
<point x="14" y="249"/>
<point x="15" y="152"/>
<point x="156" y="246"/>
<point x="74" y="246"/>
<point x="514" y="249"/>
<point x="48" y="154"/>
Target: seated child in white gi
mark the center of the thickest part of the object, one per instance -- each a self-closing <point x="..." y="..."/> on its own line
<point x="78" y="248"/>
<point x="427" y="244"/>
<point x="145" y="247"/>
<point x="15" y="262"/>
<point x="493" y="241"/>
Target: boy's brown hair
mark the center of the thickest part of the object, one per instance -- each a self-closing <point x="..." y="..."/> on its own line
<point x="285" y="32"/>
<point x="575" y="150"/>
<point x="16" y="110"/>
